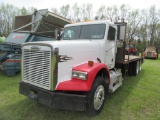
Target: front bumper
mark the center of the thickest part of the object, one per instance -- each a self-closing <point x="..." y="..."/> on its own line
<point x="151" y="57"/>
<point x="54" y="99"/>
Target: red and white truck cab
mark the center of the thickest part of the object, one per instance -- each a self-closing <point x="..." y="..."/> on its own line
<point x="77" y="72"/>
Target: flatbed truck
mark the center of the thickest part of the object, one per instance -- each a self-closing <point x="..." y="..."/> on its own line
<point x="77" y="72"/>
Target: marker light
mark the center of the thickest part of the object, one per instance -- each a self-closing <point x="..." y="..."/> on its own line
<point x="90" y="63"/>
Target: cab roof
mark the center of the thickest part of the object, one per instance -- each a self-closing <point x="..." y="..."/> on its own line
<point x="91" y="22"/>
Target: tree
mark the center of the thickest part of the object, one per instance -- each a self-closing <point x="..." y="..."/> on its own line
<point x="7" y="16"/>
<point x="89" y="10"/>
<point x="83" y="12"/>
<point x="55" y="10"/>
<point x="76" y="13"/>
<point x="157" y="35"/>
<point x="143" y="28"/>
<point x="134" y="18"/>
<point x="153" y="21"/>
<point x="123" y="10"/>
<point x="112" y="13"/>
<point x="101" y="12"/>
<point x="24" y="11"/>
<point x="64" y="10"/>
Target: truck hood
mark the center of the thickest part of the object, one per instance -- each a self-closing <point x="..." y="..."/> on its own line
<point x="83" y="48"/>
<point x="72" y="53"/>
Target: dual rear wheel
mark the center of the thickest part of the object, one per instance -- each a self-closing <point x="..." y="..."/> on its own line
<point x="137" y="67"/>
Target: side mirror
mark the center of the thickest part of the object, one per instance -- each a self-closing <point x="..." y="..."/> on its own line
<point x="121" y="30"/>
<point x="122" y="33"/>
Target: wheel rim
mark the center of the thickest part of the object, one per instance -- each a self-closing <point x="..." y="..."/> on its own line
<point x="138" y="67"/>
<point x="99" y="97"/>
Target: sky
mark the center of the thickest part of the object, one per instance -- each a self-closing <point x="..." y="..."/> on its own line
<point x="48" y="4"/>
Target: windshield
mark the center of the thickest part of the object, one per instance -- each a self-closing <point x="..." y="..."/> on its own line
<point x="17" y="38"/>
<point x="150" y="49"/>
<point x="20" y="38"/>
<point x="94" y="31"/>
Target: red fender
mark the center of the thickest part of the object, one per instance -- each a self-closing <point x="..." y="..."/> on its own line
<point x="82" y="85"/>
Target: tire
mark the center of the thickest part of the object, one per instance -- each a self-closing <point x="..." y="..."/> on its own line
<point x="140" y="66"/>
<point x="136" y="68"/>
<point x="97" y="96"/>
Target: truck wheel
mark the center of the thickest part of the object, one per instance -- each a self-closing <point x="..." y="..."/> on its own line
<point x="97" y="96"/>
<point x="140" y="66"/>
<point x="136" y="68"/>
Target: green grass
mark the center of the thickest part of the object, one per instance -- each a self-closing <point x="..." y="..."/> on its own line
<point x="137" y="99"/>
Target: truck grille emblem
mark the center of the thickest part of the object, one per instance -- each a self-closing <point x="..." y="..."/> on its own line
<point x="35" y="48"/>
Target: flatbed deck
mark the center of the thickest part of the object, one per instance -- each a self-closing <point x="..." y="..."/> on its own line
<point x="130" y="58"/>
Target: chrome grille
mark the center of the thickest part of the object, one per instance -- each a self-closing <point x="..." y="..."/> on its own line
<point x="36" y="68"/>
<point x="149" y="54"/>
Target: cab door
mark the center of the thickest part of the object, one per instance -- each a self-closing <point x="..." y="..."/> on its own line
<point x="111" y="47"/>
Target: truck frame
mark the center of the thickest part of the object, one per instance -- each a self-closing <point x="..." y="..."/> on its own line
<point x="77" y="72"/>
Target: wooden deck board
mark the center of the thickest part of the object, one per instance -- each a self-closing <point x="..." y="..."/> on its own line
<point x="129" y="58"/>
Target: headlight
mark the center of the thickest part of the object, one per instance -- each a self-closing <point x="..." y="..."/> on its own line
<point x="154" y="53"/>
<point x="79" y="75"/>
